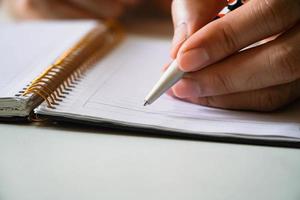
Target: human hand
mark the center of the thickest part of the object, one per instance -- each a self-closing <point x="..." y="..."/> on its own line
<point x="68" y="9"/>
<point x="219" y="74"/>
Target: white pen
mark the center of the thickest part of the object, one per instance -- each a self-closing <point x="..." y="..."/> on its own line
<point x="171" y="76"/>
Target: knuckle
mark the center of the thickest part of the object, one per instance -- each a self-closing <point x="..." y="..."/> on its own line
<point x="269" y="101"/>
<point x="287" y="61"/>
<point x="293" y="91"/>
<point x="221" y="83"/>
<point x="210" y="101"/>
<point x="276" y="13"/>
<point x="228" y="37"/>
<point x="273" y="98"/>
<point x="272" y="11"/>
<point x="203" y="101"/>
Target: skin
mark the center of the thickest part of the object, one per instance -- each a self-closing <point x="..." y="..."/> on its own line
<point x="218" y="73"/>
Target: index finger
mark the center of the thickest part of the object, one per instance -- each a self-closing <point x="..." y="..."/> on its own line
<point x="254" y="21"/>
<point x="190" y="15"/>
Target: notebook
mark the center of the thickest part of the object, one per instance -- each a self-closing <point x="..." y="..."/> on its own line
<point x="90" y="72"/>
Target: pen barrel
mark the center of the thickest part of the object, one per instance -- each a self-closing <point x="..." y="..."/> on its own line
<point x="171" y="76"/>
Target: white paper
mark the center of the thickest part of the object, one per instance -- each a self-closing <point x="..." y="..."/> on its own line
<point x="27" y="49"/>
<point x="114" y="90"/>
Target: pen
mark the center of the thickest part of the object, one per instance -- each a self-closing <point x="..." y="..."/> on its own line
<point x="171" y="76"/>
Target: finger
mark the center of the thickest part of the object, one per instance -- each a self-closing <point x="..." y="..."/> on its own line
<point x="101" y="8"/>
<point x="35" y="9"/>
<point x="191" y="15"/>
<point x="170" y="93"/>
<point x="274" y="63"/>
<point x="166" y="66"/>
<point x="254" y="21"/>
<point x="268" y="99"/>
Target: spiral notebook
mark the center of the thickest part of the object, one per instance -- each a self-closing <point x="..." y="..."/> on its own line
<point x="90" y="72"/>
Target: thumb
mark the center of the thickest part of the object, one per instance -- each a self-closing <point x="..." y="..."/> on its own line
<point x="189" y="16"/>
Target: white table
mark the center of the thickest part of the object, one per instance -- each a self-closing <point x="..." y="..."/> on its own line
<point x="63" y="162"/>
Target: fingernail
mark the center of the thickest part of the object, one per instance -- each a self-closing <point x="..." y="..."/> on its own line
<point x="180" y="35"/>
<point x="193" y="60"/>
<point x="186" y="88"/>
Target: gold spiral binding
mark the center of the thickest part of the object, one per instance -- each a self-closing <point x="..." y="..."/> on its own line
<point x="59" y="78"/>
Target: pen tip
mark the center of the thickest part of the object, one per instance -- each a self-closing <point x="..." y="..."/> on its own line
<point x="146" y="103"/>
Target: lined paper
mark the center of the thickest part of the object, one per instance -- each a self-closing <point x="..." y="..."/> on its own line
<point x="114" y="90"/>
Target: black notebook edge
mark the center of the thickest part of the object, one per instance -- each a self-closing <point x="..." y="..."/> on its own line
<point x="173" y="134"/>
<point x="14" y="119"/>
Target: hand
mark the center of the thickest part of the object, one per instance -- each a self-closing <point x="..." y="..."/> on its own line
<point x="219" y="72"/>
<point x="55" y="9"/>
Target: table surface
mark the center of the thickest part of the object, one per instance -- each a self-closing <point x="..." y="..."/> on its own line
<point x="67" y="162"/>
<point x="72" y="162"/>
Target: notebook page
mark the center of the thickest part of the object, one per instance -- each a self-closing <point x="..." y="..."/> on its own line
<point x="26" y="49"/>
<point x="115" y="88"/>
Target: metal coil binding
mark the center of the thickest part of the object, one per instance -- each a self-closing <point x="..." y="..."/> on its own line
<point x="59" y="78"/>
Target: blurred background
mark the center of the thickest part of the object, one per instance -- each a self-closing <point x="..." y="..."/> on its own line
<point x="10" y="10"/>
<point x="154" y="16"/>
<point x="3" y="14"/>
